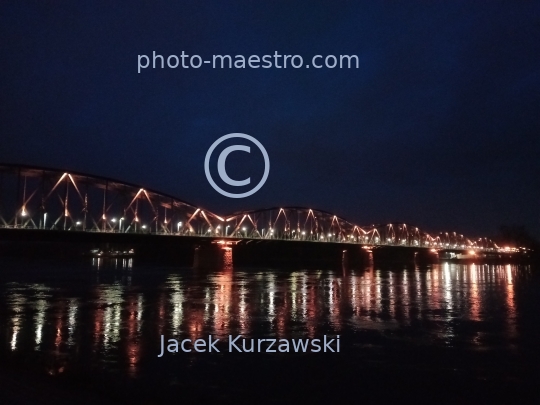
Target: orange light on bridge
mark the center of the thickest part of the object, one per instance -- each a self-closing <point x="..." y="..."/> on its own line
<point x="226" y="242"/>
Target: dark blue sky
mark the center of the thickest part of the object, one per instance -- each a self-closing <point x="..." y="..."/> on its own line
<point x="439" y="127"/>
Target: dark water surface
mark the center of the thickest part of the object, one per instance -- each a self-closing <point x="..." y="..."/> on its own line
<point x="445" y="333"/>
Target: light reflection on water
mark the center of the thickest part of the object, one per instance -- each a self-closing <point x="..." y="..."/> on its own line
<point x="119" y="322"/>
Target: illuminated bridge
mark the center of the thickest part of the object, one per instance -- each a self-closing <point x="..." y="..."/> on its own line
<point x="35" y="198"/>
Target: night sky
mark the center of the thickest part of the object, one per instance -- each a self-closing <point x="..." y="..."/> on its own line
<point x="438" y="127"/>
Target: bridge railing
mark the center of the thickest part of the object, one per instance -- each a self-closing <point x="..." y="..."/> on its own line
<point x="240" y="236"/>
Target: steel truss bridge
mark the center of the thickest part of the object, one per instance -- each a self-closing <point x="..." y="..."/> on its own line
<point x="48" y="199"/>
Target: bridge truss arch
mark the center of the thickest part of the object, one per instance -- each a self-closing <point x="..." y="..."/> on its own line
<point x="307" y="224"/>
<point x="49" y="199"/>
<point x="42" y="198"/>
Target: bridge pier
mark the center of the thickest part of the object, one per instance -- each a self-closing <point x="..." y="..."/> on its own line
<point x="404" y="254"/>
<point x="426" y="256"/>
<point x="355" y="256"/>
<point x="393" y="254"/>
<point x="212" y="257"/>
